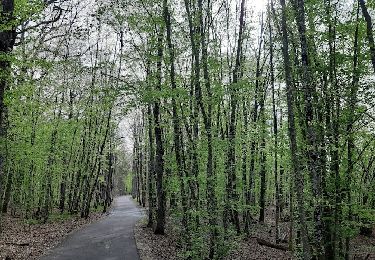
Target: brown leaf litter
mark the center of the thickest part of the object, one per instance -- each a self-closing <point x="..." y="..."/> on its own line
<point x="20" y="240"/>
<point x="156" y="247"/>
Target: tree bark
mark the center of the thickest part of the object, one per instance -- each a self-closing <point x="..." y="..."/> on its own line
<point x="314" y="160"/>
<point x="7" y="41"/>
<point x="370" y="34"/>
<point x="349" y="130"/>
<point x="159" y="160"/>
<point x="298" y="174"/>
<point x="177" y="133"/>
<point x="151" y="170"/>
<point x="232" y="196"/>
<point x="275" y="128"/>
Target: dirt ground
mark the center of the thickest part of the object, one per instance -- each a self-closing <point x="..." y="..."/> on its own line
<point x="156" y="247"/>
<point x="21" y="240"/>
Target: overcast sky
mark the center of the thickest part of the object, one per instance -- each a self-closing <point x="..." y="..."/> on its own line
<point x="257" y="4"/>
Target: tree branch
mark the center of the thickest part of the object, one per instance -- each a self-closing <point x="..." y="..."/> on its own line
<point x="55" y="19"/>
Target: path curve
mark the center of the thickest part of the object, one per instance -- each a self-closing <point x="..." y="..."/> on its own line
<point x="111" y="238"/>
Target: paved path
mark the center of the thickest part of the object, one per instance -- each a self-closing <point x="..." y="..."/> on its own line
<point x="111" y="238"/>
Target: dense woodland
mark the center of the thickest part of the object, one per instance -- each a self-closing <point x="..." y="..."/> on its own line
<point x="58" y="108"/>
<point x="231" y="112"/>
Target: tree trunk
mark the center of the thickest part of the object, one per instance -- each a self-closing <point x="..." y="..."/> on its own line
<point x="314" y="160"/>
<point x="7" y="41"/>
<point x="370" y="34"/>
<point x="8" y="190"/>
<point x="275" y="129"/>
<point x="159" y="160"/>
<point x="151" y="171"/>
<point x="177" y="133"/>
<point x="349" y="130"/>
<point x="298" y="174"/>
<point x="232" y="195"/>
<point x="263" y="158"/>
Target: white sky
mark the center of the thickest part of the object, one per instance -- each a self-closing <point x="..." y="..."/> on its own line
<point x="258" y="5"/>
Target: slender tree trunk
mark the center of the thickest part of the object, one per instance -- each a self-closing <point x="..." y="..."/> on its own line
<point x="331" y="94"/>
<point x="349" y="130"/>
<point x="194" y="30"/>
<point x="314" y="159"/>
<point x="275" y="130"/>
<point x="298" y="174"/>
<point x="245" y="167"/>
<point x="151" y="171"/>
<point x="7" y="41"/>
<point x="159" y="160"/>
<point x="263" y="159"/>
<point x="177" y="133"/>
<point x="370" y="34"/>
<point x="8" y="190"/>
<point x="64" y="180"/>
<point x="151" y="163"/>
<point x="231" y="154"/>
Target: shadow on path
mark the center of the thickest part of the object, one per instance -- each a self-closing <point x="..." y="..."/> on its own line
<point x="111" y="238"/>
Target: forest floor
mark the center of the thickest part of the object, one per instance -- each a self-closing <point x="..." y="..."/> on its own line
<point x="156" y="247"/>
<point x="21" y="239"/>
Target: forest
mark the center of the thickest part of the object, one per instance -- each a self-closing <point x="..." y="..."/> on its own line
<point x="220" y="117"/>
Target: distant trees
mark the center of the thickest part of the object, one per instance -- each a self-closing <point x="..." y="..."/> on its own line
<point x="12" y="17"/>
<point x="58" y="106"/>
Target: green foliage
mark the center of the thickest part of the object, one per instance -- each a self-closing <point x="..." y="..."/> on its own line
<point x="127" y="182"/>
<point x="58" y="217"/>
<point x="54" y="217"/>
<point x="68" y="94"/>
<point x="98" y="209"/>
<point x="32" y="221"/>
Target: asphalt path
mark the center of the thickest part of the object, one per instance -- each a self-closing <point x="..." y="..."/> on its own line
<point x="111" y="238"/>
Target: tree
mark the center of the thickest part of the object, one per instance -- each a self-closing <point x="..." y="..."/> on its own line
<point x="298" y="177"/>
